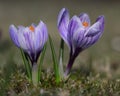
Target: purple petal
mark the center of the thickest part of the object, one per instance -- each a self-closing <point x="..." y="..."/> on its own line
<point x="83" y="42"/>
<point x="24" y="39"/>
<point x="87" y="42"/>
<point x="77" y="38"/>
<point x="14" y="35"/>
<point x="74" y="25"/>
<point x="76" y="32"/>
<point x="30" y="39"/>
<point x="101" y="19"/>
<point x="96" y="27"/>
<point x="63" y="17"/>
<point x="84" y="18"/>
<point x="92" y="40"/>
<point x="63" y="21"/>
<point x="41" y="36"/>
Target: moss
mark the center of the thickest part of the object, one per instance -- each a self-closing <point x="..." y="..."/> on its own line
<point x="77" y="84"/>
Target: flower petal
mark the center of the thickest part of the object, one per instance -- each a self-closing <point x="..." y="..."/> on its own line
<point x="14" y="35"/>
<point x="92" y="40"/>
<point x="96" y="27"/>
<point x="77" y="38"/>
<point x="24" y="39"/>
<point x="41" y="36"/>
<point x="76" y="32"/>
<point x="63" y="21"/>
<point x="85" y="18"/>
<point x="74" y="25"/>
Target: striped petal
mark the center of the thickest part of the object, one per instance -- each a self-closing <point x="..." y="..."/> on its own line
<point x="23" y="38"/>
<point x="41" y="35"/>
<point x="14" y="35"/>
<point x="74" y="25"/>
<point x="76" y="32"/>
<point x="63" y="21"/>
<point x="96" y="27"/>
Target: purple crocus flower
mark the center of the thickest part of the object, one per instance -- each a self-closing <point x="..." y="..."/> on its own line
<point x="78" y="33"/>
<point x="30" y="39"/>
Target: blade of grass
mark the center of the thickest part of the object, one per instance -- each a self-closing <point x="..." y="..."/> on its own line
<point x="61" y="56"/>
<point x="27" y="64"/>
<point x="55" y="62"/>
<point x="41" y="62"/>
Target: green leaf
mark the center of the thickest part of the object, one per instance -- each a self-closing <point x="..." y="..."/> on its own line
<point x="27" y="64"/>
<point x="61" y="56"/>
<point x="55" y="62"/>
<point x="41" y="61"/>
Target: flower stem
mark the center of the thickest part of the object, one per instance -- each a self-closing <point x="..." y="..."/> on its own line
<point x="69" y="66"/>
<point x="71" y="61"/>
<point x="35" y="73"/>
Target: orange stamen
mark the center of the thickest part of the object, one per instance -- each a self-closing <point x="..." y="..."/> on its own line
<point x="85" y="24"/>
<point x="32" y="28"/>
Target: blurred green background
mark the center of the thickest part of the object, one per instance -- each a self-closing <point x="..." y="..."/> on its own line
<point x="105" y="54"/>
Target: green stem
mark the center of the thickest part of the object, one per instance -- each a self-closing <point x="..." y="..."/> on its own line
<point x="35" y="73"/>
<point x="27" y="65"/>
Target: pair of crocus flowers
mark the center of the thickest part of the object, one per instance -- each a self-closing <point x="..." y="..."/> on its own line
<point x="77" y="33"/>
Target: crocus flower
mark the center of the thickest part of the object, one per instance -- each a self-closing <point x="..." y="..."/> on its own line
<point x="30" y="39"/>
<point x="78" y="33"/>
